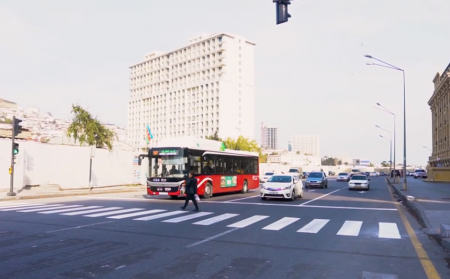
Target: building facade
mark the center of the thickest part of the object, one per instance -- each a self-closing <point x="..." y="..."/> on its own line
<point x="306" y="145"/>
<point x="203" y="87"/>
<point x="439" y="104"/>
<point x="269" y="137"/>
<point x="293" y="159"/>
<point x="289" y="146"/>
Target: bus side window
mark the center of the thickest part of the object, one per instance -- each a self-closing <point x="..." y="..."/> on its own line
<point x="254" y="166"/>
<point x="208" y="165"/>
<point x="237" y="165"/>
<point x="245" y="165"/>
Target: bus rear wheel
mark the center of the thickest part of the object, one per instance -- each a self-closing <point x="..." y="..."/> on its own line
<point x="245" y="187"/>
<point x="208" y="191"/>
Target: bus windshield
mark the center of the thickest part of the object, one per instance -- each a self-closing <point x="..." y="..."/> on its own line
<point x="168" y="163"/>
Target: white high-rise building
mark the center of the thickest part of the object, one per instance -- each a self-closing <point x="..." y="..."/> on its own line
<point x="269" y="137"/>
<point x="306" y="145"/>
<point x="205" y="86"/>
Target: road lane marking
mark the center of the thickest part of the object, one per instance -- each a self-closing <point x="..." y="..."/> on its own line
<point x="113" y="212"/>
<point x="3" y="204"/>
<point x="296" y="205"/>
<point x="323" y="196"/>
<point x="189" y="217"/>
<point x="350" y="228"/>
<point x="427" y="264"/>
<point x="283" y="222"/>
<point x="388" y="230"/>
<point x="135" y="214"/>
<point x="216" y="219"/>
<point x="349" y="207"/>
<point x="162" y="215"/>
<point x="67" y="209"/>
<point x="43" y="210"/>
<point x="211" y="238"/>
<point x="90" y="211"/>
<point x="376" y="275"/>
<point x="79" y="227"/>
<point x="314" y="226"/>
<point x="21" y="205"/>
<point x="242" y="199"/>
<point x="29" y="207"/>
<point x="247" y="222"/>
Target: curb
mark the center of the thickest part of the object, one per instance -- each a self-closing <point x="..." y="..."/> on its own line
<point x="59" y="195"/>
<point x="419" y="211"/>
<point x="414" y="206"/>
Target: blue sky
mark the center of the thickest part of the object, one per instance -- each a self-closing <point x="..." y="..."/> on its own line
<point x="311" y="76"/>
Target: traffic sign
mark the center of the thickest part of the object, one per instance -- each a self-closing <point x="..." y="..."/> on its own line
<point x="10" y="171"/>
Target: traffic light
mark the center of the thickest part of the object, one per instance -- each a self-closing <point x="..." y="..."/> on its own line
<point x="17" y="127"/>
<point x="16" y="149"/>
<point x="282" y="10"/>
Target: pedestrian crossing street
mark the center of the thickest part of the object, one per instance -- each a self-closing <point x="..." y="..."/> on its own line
<point x="385" y="230"/>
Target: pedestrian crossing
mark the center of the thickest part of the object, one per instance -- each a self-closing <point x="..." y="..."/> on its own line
<point x="349" y="228"/>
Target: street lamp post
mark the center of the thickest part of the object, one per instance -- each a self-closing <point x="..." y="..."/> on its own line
<point x="392" y="67"/>
<point x="390" y="144"/>
<point x="384" y="109"/>
<point x="426" y="147"/>
<point x="390" y="139"/>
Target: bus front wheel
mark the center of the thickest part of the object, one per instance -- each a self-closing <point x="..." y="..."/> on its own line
<point x="208" y="191"/>
<point x="245" y="187"/>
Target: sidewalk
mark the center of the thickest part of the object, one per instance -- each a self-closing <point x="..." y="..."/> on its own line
<point x="53" y="191"/>
<point x="431" y="203"/>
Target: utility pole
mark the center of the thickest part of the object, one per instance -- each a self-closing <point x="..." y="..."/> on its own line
<point x="16" y="129"/>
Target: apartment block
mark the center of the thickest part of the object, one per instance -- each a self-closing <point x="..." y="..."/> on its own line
<point x="269" y="137"/>
<point x="306" y="145"/>
<point x="204" y="86"/>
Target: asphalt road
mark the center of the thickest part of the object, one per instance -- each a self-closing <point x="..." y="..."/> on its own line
<point x="329" y="233"/>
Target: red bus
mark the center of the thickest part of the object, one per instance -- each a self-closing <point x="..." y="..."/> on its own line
<point x="217" y="170"/>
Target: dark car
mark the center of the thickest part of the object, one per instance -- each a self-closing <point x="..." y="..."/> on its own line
<point x="316" y="179"/>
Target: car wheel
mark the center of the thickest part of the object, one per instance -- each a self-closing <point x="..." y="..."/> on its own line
<point x="245" y="187"/>
<point x="264" y="199"/>
<point x="174" y="197"/>
<point x="300" y="196"/>
<point x="208" y="191"/>
<point x="323" y="186"/>
<point x="415" y="177"/>
<point x="293" y="195"/>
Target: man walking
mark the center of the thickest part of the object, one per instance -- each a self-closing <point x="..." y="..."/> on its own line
<point x="191" y="191"/>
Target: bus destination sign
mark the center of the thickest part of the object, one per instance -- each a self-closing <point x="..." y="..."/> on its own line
<point x="165" y="152"/>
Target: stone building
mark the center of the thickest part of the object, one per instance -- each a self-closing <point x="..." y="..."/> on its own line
<point x="440" y="116"/>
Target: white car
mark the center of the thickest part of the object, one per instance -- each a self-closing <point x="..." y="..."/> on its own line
<point x="343" y="176"/>
<point x="282" y="186"/>
<point x="374" y="173"/>
<point x="266" y="177"/>
<point x="359" y="181"/>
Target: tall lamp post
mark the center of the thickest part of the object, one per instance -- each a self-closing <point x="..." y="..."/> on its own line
<point x="390" y="144"/>
<point x="392" y="67"/>
<point x="390" y="139"/>
<point x="426" y="147"/>
<point x="384" y="109"/>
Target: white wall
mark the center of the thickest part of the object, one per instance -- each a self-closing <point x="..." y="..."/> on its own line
<point x="67" y="166"/>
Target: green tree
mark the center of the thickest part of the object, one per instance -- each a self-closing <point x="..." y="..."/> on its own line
<point x="6" y="121"/>
<point x="385" y="164"/>
<point x="346" y="163"/>
<point x="328" y="161"/>
<point x="215" y="136"/>
<point x="89" y="130"/>
<point x="339" y="162"/>
<point x="245" y="144"/>
<point x="371" y="165"/>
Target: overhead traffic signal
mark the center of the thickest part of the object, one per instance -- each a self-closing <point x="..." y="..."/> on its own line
<point x="16" y="149"/>
<point x="282" y="10"/>
<point x="17" y="127"/>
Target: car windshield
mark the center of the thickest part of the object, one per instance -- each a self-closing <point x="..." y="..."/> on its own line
<point x="343" y="173"/>
<point x="280" y="178"/>
<point x="355" y="170"/>
<point x="293" y="170"/>
<point x="268" y="173"/>
<point x="420" y="171"/>
<point x="315" y="175"/>
<point x="359" y="177"/>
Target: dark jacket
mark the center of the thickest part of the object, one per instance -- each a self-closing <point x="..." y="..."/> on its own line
<point x="191" y="186"/>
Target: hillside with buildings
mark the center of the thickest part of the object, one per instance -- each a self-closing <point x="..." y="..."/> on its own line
<point x="41" y="126"/>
